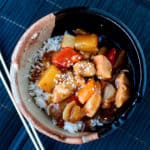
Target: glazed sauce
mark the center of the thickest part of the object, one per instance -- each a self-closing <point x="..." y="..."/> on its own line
<point x="36" y="73"/>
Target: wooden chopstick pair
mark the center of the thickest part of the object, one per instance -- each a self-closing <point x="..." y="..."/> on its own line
<point x="28" y="126"/>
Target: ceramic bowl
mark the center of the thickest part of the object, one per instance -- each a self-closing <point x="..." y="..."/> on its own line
<point x="93" y="20"/>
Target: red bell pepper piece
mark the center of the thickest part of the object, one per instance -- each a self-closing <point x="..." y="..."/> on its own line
<point x="66" y="57"/>
<point x="112" y="55"/>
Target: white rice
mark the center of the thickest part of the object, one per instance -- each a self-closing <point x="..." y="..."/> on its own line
<point x="53" y="121"/>
<point x="52" y="43"/>
<point x="39" y="95"/>
<point x="95" y="122"/>
<point x="73" y="127"/>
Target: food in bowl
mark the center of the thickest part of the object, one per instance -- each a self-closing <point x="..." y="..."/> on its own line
<point x="79" y="80"/>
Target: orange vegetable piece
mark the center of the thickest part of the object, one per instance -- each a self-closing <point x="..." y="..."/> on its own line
<point x="47" y="79"/>
<point x="87" y="91"/>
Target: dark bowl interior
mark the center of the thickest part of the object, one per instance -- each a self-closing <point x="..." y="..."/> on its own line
<point x="120" y="36"/>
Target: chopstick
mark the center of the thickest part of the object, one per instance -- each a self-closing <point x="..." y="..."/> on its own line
<point x="32" y="134"/>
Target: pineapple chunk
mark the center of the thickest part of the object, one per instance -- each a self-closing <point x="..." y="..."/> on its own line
<point x="68" y="41"/>
<point x="86" y="43"/>
<point x="48" y="77"/>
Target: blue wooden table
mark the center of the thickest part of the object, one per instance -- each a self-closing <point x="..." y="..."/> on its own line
<point x="17" y="15"/>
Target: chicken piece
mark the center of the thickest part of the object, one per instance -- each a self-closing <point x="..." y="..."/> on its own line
<point x="72" y="112"/>
<point x="84" y="68"/>
<point x="66" y="77"/>
<point x="80" y="81"/>
<point x="64" y="88"/>
<point x="123" y="93"/>
<point x="109" y="95"/>
<point x="86" y="43"/>
<point x="61" y="92"/>
<point x="93" y="103"/>
<point x="68" y="41"/>
<point x="121" y="79"/>
<point x="103" y="66"/>
<point x="67" y="111"/>
<point x="76" y="114"/>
